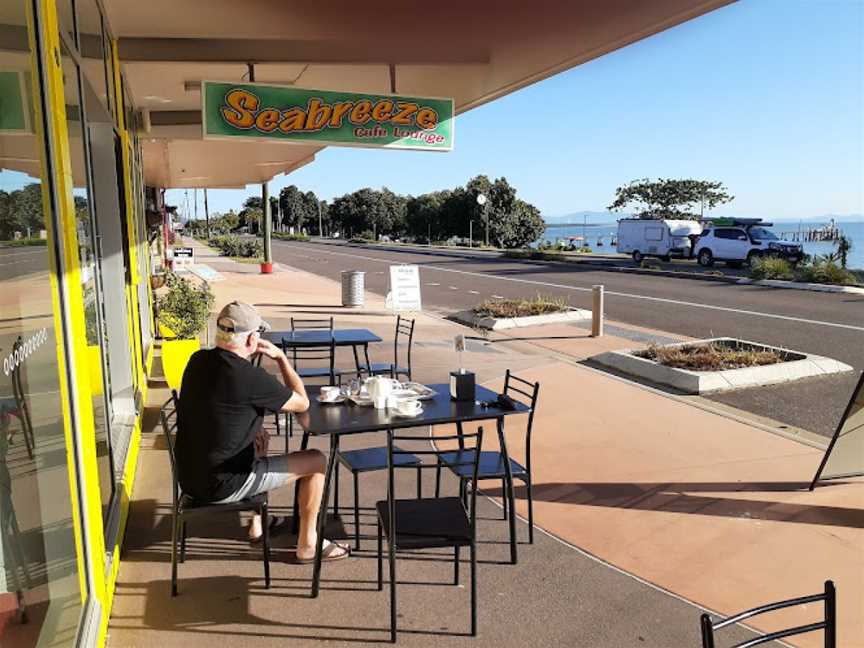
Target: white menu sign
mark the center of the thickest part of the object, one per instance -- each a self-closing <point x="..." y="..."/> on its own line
<point x="405" y="288"/>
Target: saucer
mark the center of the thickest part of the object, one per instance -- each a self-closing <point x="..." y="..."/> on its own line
<point x="399" y="414"/>
<point x="339" y="399"/>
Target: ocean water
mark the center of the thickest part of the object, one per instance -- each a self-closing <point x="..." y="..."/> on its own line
<point x="600" y="236"/>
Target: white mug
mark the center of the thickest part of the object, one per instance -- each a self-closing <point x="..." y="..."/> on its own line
<point x="329" y="393"/>
<point x="408" y="407"/>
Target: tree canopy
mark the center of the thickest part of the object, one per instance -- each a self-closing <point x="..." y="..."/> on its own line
<point x="670" y="198"/>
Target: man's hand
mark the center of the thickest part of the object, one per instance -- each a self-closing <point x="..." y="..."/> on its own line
<point x="269" y="349"/>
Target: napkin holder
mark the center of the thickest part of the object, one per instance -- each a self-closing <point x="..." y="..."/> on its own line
<point x="462" y="386"/>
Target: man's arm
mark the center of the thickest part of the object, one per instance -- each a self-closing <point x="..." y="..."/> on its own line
<point x="299" y="401"/>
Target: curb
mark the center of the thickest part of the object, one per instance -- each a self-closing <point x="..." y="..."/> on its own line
<point x="499" y="324"/>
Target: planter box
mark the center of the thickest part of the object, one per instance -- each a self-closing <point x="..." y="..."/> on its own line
<point x="795" y="365"/>
<point x="496" y="324"/>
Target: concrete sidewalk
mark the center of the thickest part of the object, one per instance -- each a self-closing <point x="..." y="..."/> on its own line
<point x="693" y="502"/>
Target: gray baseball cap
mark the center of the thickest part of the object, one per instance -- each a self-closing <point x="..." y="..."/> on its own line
<point x="240" y="317"/>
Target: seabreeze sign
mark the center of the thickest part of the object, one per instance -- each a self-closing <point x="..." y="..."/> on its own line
<point x="254" y="110"/>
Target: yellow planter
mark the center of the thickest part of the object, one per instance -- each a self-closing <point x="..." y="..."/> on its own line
<point x="175" y="357"/>
<point x="166" y="332"/>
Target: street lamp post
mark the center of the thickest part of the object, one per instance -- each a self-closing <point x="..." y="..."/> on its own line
<point x="484" y="203"/>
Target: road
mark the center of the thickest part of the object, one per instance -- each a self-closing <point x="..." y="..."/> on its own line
<point x="17" y="261"/>
<point x="823" y="323"/>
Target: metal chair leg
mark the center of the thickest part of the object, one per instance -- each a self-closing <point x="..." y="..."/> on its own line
<point x="265" y="518"/>
<point x="183" y="541"/>
<point x="504" y="498"/>
<point x="380" y="557"/>
<point x="438" y="480"/>
<point x="174" y="530"/>
<point x="530" y="489"/>
<point x="357" y="514"/>
<point x="456" y="565"/>
<point x="473" y="589"/>
<point x="277" y="424"/>
<point x="419" y="482"/>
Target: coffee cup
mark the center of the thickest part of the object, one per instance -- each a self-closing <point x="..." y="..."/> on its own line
<point x="408" y="407"/>
<point x="329" y="393"/>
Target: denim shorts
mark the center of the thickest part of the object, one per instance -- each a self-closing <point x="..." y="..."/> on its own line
<point x="267" y="474"/>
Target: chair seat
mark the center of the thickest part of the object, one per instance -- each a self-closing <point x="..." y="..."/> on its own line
<point x="491" y="464"/>
<point x="191" y="506"/>
<point x="316" y="372"/>
<point x="427" y="523"/>
<point x="368" y="459"/>
<point x="382" y="368"/>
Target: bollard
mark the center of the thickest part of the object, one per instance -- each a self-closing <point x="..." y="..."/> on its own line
<point x="352" y="288"/>
<point x="596" y="311"/>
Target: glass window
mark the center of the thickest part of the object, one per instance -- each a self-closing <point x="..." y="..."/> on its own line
<point x="89" y="259"/>
<point x="729" y="234"/>
<point x="762" y="234"/>
<point x="40" y="595"/>
<point x="91" y="44"/>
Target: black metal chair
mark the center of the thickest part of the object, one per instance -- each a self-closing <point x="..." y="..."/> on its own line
<point x="327" y="352"/>
<point x="184" y="508"/>
<point x="492" y="462"/>
<point x="431" y="523"/>
<point x="17" y="406"/>
<point x="404" y="328"/>
<point x="828" y="624"/>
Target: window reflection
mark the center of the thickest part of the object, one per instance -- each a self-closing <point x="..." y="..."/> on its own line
<point x="40" y="598"/>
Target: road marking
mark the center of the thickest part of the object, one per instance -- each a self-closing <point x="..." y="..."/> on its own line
<point x="497" y="297"/>
<point x="473" y="292"/>
<point x="725" y="309"/>
<point x="433" y="284"/>
<point x="454" y="287"/>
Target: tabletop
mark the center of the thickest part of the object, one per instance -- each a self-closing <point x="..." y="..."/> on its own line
<point x="347" y="418"/>
<point x="320" y="337"/>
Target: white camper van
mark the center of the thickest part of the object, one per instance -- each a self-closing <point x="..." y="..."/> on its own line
<point x="641" y="237"/>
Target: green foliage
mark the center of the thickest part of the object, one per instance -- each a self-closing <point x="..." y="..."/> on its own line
<point x="21" y="209"/>
<point x="31" y="242"/>
<point x="824" y="270"/>
<point x="670" y="198"/>
<point x="771" y="268"/>
<point x="185" y="308"/>
<point x="539" y="305"/>
<point x="290" y="237"/>
<point x="235" y="246"/>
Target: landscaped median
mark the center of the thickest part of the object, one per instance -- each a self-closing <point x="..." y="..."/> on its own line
<point x="498" y="314"/>
<point x="718" y="364"/>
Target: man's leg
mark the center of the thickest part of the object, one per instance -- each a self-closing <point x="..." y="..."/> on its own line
<point x="310" y="465"/>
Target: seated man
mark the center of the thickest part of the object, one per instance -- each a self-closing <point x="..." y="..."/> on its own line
<point x="219" y="427"/>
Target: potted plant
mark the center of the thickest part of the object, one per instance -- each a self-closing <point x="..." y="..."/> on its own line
<point x="183" y="313"/>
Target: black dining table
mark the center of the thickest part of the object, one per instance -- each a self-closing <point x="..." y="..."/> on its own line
<point x="338" y="420"/>
<point x="355" y="338"/>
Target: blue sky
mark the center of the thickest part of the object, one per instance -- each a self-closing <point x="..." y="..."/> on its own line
<point x="766" y="96"/>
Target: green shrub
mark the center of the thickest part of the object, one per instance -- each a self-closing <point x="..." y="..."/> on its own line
<point x="539" y="305"/>
<point x="185" y="308"/>
<point x="26" y="242"/>
<point x="369" y="235"/>
<point x="648" y="264"/>
<point x="584" y="250"/>
<point x="771" y="268"/>
<point x="235" y="246"/>
<point x="282" y="236"/>
<point x="824" y="271"/>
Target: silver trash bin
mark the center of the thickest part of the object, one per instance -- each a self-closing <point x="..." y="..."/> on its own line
<point x="353" y="285"/>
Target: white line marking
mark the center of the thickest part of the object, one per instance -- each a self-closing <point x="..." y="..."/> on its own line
<point x="473" y="292"/>
<point x="497" y="297"/>
<point x="433" y="284"/>
<point x="725" y="309"/>
<point x="454" y="287"/>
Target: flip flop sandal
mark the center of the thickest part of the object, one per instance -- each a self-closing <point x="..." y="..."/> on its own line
<point x="331" y="553"/>
<point x="277" y="523"/>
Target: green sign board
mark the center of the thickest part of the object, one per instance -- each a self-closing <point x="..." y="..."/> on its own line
<point x="14" y="115"/>
<point x="288" y="114"/>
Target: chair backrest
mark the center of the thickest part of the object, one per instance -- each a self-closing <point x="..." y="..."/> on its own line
<point x="18" y="390"/>
<point x="310" y="324"/>
<point x="828" y="624"/>
<point x="527" y="393"/>
<point x="313" y="355"/>
<point x="468" y="455"/>
<point x="168" y="417"/>
<point x="404" y="328"/>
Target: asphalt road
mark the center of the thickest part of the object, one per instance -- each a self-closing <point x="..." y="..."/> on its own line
<point x="17" y="261"/>
<point x="823" y="323"/>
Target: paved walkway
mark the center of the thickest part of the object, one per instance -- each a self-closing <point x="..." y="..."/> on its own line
<point x="693" y="502"/>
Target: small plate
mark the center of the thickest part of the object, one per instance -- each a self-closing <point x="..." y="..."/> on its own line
<point x="361" y="401"/>
<point x="339" y="399"/>
<point x="399" y="414"/>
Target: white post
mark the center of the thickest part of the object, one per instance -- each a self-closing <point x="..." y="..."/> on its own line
<point x="597" y="311"/>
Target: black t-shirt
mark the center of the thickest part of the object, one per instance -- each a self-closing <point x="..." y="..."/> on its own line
<point x="222" y="403"/>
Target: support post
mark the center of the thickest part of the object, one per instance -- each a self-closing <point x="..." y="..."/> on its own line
<point x="267" y="266"/>
<point x="596" y="311"/>
<point x="206" y="213"/>
<point x="486" y="215"/>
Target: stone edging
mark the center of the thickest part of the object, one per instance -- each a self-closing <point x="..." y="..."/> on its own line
<point x="703" y="382"/>
<point x="468" y="317"/>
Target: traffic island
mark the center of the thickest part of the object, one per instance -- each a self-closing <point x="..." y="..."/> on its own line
<point x="498" y="314"/>
<point x="719" y="364"/>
